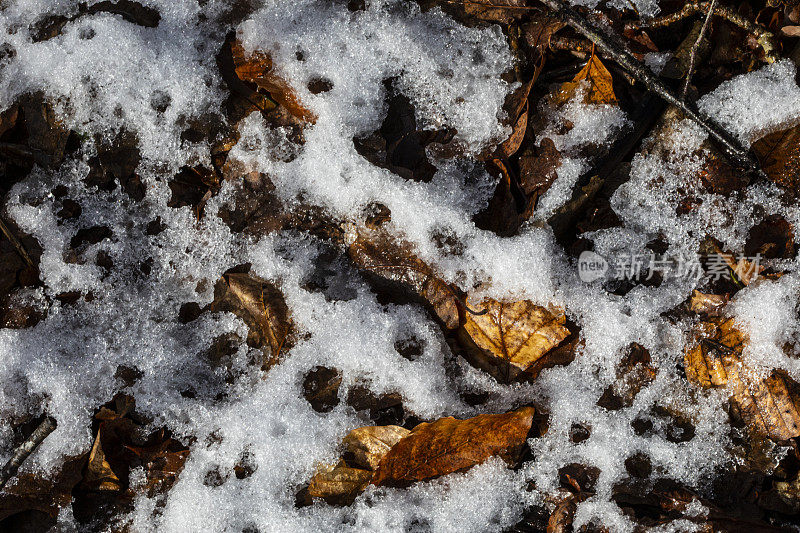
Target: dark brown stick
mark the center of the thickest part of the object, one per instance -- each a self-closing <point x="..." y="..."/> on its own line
<point x="26" y="448"/>
<point x="696" y="48"/>
<point x="23" y="253"/>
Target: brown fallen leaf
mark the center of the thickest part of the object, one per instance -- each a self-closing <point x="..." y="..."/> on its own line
<point x="779" y="155"/>
<point x="450" y="445"/>
<point x="744" y="270"/>
<point x="163" y="461"/>
<point x="501" y="11"/>
<point x="99" y="475"/>
<point x="600" y="90"/>
<point x="512" y="338"/>
<point x="400" y="270"/>
<point x="338" y="485"/>
<point x="708" y="304"/>
<point x="262" y="306"/>
<point x="28" y="493"/>
<point x="258" y="68"/>
<point x="770" y="406"/>
<point x="517" y="107"/>
<point x="634" y="372"/>
<point x="366" y="446"/>
<point x="363" y="449"/>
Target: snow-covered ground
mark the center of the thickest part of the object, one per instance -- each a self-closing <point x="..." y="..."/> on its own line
<point x="104" y="72"/>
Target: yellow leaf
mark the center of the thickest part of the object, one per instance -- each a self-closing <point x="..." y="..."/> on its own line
<point x="771" y="406"/>
<point x="515" y="334"/>
<point x="600" y="90"/>
<point x="99" y="474"/>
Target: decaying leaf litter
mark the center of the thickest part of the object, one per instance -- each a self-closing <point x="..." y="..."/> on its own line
<point x="312" y="266"/>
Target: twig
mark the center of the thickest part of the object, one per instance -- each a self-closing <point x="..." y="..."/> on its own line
<point x="18" y="245"/>
<point x="764" y="38"/>
<point x="612" y="46"/>
<point x="26" y="448"/>
<point x="696" y="48"/>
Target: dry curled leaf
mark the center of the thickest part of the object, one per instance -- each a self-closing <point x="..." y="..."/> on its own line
<point x="262" y="306"/>
<point x="257" y="68"/>
<point x="771" y="405"/>
<point x="450" y="445"/>
<point x="600" y="84"/>
<point x="395" y="263"/>
<point x="512" y="338"/>
<point x="366" y="446"/>
<point x="338" y="485"/>
<point x="502" y="11"/>
<point x="99" y="474"/>
<point x="708" y="304"/>
<point x="363" y="449"/>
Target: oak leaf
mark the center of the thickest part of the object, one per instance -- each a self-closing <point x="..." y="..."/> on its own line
<point x="512" y="338"/>
<point x="771" y="405"/>
<point x="708" y="304"/>
<point x="450" y="445"/>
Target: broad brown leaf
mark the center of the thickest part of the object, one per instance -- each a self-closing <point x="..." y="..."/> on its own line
<point x="394" y="261"/>
<point x="600" y="90"/>
<point x="363" y="449"/>
<point x="29" y="492"/>
<point x="512" y="336"/>
<point x="262" y="306"/>
<point x="450" y="445"/>
<point x="771" y="406"/>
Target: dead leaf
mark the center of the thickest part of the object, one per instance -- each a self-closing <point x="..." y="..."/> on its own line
<point x="634" y="372"/>
<point x="29" y="492"/>
<point x="162" y="462"/>
<point x="708" y="304"/>
<point x="540" y="30"/>
<point x="99" y="475"/>
<point x="512" y="337"/>
<point x="258" y="68"/>
<point x="450" y="445"/>
<point x="771" y="405"/>
<point x="494" y="10"/>
<point x="744" y="270"/>
<point x="262" y="306"/>
<point x="338" y="485"/>
<point x="394" y="262"/>
<point x="366" y="446"/>
<point x="779" y="155"/>
<point x="600" y="84"/>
